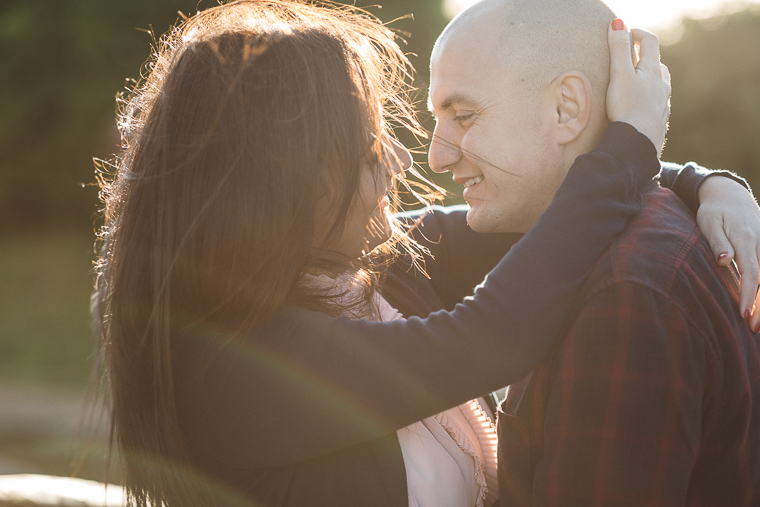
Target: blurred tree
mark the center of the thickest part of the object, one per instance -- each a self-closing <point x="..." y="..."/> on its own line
<point x="63" y="63"/>
<point x="715" y="68"/>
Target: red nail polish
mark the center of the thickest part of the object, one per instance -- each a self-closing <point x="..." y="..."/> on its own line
<point x="748" y="314"/>
<point x="722" y="256"/>
<point x="617" y="24"/>
<point x="757" y="329"/>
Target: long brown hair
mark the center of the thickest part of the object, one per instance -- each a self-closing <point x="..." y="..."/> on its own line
<point x="251" y="111"/>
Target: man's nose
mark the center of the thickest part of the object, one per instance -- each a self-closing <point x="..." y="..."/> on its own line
<point x="399" y="158"/>
<point x="442" y="153"/>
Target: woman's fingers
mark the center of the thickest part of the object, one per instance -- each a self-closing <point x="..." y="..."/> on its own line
<point x="649" y="50"/>
<point x="640" y="96"/>
<point x="717" y="228"/>
<point x="749" y="267"/>
<point x="711" y="225"/>
<point x="665" y="73"/>
<point x="729" y="218"/>
<point x="621" y="49"/>
<point x="755" y="319"/>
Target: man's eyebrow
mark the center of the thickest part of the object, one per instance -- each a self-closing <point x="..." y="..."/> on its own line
<point x="451" y="100"/>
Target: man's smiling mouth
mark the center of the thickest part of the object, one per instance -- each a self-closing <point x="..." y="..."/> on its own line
<point x="472" y="181"/>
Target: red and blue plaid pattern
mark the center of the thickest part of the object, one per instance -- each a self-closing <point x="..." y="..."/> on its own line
<point x="653" y="396"/>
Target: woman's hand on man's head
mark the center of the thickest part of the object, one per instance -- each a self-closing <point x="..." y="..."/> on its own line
<point x="638" y="94"/>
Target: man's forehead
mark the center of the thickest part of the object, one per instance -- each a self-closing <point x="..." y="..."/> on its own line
<point x="462" y="78"/>
<point x="465" y="65"/>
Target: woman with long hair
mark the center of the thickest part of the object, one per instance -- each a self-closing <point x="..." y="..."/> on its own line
<point x="247" y="229"/>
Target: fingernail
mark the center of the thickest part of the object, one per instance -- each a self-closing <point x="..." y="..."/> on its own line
<point x="757" y="329"/>
<point x="617" y="24"/>
<point x="748" y="314"/>
<point x="722" y="256"/>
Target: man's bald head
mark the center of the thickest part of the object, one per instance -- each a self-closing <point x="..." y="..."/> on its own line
<point x="538" y="40"/>
<point x="518" y="88"/>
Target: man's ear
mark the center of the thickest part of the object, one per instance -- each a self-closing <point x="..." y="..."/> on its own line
<point x="572" y="96"/>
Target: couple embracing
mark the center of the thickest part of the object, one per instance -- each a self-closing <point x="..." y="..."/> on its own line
<point x="274" y="335"/>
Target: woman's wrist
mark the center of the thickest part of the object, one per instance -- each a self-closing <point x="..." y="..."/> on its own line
<point x="624" y="142"/>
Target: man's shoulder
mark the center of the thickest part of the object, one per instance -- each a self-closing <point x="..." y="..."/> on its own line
<point x="654" y="247"/>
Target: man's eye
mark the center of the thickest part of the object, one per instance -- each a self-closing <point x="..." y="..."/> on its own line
<point x="462" y="118"/>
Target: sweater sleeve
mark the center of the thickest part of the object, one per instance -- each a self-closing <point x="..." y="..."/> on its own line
<point x="459" y="257"/>
<point x="685" y="180"/>
<point x="306" y="384"/>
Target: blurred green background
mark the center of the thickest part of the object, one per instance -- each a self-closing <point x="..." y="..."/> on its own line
<point x="64" y="62"/>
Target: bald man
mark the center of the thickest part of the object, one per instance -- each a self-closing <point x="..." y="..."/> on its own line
<point x="653" y="395"/>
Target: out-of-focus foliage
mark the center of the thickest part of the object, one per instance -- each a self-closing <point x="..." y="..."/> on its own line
<point x="63" y="62"/>
<point x="45" y="334"/>
<point x="715" y="69"/>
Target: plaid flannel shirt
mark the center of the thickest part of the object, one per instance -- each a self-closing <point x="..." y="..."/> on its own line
<point x="653" y="396"/>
